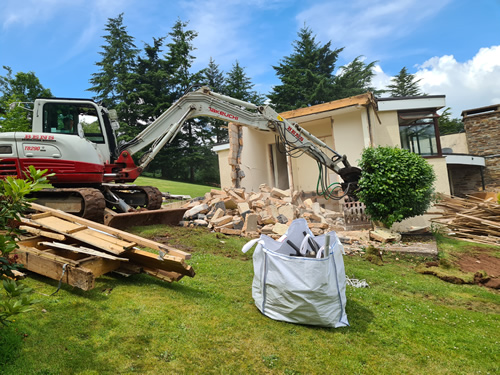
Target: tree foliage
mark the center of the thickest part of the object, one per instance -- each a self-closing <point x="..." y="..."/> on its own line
<point x="23" y="88"/>
<point x="355" y="78"/>
<point x="448" y="125"/>
<point x="404" y="84"/>
<point x="308" y="75"/>
<point x="395" y="184"/>
<point x="113" y="83"/>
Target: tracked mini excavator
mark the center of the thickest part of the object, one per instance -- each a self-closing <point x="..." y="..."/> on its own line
<point x="75" y="140"/>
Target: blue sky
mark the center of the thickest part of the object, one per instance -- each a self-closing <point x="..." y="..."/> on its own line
<point x="453" y="46"/>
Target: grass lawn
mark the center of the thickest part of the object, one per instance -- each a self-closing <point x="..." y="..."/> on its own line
<point x="404" y="323"/>
<point x="175" y="187"/>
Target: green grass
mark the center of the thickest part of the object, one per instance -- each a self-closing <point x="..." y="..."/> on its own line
<point x="172" y="187"/>
<point x="404" y="323"/>
<point x="175" y="187"/>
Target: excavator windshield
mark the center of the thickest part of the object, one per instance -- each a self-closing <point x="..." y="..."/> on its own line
<point x="65" y="118"/>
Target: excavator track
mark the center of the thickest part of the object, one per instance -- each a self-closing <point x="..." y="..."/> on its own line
<point x="147" y="197"/>
<point x="88" y="203"/>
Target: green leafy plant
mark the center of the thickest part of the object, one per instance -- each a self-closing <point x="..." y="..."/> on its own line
<point x="13" y="201"/>
<point x="395" y="184"/>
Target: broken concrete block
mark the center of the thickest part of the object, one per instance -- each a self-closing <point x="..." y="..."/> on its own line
<point x="251" y="224"/>
<point x="280" y="229"/>
<point x="243" y="207"/>
<point x="278" y="193"/>
<point x="230" y="231"/>
<point x="308" y="203"/>
<point x="201" y="208"/>
<point x="222" y="220"/>
<point x="282" y="219"/>
<point x="264" y="188"/>
<point x="288" y="211"/>
<point x="230" y="203"/>
<point x="384" y="235"/>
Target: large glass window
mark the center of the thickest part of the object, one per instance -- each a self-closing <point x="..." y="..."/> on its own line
<point x="66" y="117"/>
<point x="418" y="133"/>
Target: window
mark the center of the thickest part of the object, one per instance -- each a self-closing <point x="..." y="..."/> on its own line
<point x="64" y="118"/>
<point x="418" y="132"/>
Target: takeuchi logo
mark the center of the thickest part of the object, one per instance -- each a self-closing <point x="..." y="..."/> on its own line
<point x="222" y="113"/>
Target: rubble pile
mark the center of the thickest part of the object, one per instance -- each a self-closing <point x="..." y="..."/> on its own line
<point x="268" y="211"/>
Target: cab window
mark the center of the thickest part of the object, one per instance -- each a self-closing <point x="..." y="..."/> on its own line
<point x="63" y="118"/>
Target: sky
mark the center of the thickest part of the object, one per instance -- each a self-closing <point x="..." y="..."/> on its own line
<point x="452" y="46"/>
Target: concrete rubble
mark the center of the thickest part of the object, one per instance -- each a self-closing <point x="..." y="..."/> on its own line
<point x="270" y="211"/>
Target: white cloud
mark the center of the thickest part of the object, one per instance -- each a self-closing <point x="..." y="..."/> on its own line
<point x="469" y="84"/>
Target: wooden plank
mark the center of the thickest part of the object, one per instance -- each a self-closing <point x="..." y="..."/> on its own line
<point x="169" y="263"/>
<point x="35" y="260"/>
<point x="113" y="231"/>
<point x="163" y="275"/>
<point x="81" y="249"/>
<point x="44" y="233"/>
<point x="85" y="234"/>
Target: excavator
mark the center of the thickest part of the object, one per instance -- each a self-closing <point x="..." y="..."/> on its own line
<point x="75" y="141"/>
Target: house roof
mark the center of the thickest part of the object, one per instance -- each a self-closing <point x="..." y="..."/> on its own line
<point x="434" y="102"/>
<point x="353" y="101"/>
<point x="481" y="110"/>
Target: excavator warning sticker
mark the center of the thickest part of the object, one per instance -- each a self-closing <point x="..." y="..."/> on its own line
<point x="280" y="118"/>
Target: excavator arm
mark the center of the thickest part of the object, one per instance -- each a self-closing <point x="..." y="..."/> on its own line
<point x="204" y="102"/>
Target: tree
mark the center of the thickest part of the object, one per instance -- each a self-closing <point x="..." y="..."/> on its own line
<point x="113" y="84"/>
<point x="239" y="85"/>
<point x="307" y="75"/>
<point x="355" y="79"/>
<point x="404" y="84"/>
<point x="180" y="159"/>
<point x="214" y="78"/>
<point x="395" y="184"/>
<point x="448" y="125"/>
<point x="22" y="88"/>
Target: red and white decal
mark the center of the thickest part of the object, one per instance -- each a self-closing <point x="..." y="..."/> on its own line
<point x="39" y="137"/>
<point x="222" y="113"/>
<point x="32" y="148"/>
<point x="295" y="133"/>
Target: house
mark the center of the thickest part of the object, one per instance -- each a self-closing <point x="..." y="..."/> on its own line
<point x="347" y="126"/>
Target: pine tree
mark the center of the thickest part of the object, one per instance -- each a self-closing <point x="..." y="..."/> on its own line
<point x="404" y="84"/>
<point x="355" y="79"/>
<point x="114" y="82"/>
<point x="239" y="85"/>
<point x="180" y="159"/>
<point x="307" y="75"/>
<point x="214" y="79"/>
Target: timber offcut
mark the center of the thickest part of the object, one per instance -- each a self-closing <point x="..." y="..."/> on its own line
<point x="76" y="251"/>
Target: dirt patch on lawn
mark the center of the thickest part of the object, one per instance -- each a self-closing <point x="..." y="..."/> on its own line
<point x="480" y="262"/>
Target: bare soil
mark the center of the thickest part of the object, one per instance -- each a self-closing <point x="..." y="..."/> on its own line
<point x="478" y="261"/>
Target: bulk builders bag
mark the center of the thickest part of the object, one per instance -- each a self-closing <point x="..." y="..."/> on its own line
<point x="300" y="278"/>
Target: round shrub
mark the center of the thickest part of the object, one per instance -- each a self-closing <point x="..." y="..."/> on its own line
<point x="395" y="184"/>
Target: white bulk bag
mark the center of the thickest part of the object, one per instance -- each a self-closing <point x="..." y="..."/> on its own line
<point x="299" y="289"/>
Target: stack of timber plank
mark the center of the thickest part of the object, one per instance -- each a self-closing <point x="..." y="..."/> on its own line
<point x="77" y="251"/>
<point x="268" y="211"/>
<point x="471" y="219"/>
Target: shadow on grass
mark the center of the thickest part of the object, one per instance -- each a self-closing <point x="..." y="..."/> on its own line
<point x="11" y="341"/>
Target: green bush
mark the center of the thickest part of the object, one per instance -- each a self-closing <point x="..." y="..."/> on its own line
<point x="13" y="201"/>
<point x="395" y="184"/>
